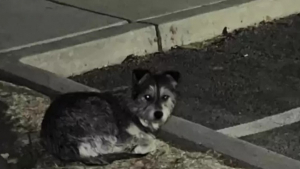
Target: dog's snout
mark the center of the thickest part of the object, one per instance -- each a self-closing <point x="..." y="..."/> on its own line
<point x="158" y="115"/>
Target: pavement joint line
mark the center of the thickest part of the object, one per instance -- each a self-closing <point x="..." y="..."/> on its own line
<point x="158" y="35"/>
<point x="264" y="124"/>
<point x="47" y="83"/>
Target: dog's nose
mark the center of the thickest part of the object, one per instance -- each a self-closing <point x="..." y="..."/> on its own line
<point x="158" y="115"/>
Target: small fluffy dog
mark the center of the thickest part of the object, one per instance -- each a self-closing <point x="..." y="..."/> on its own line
<point x="99" y="128"/>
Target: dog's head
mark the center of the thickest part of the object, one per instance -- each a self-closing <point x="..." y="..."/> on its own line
<point x="154" y="96"/>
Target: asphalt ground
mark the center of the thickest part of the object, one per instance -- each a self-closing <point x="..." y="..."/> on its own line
<point x="284" y="140"/>
<point x="237" y="78"/>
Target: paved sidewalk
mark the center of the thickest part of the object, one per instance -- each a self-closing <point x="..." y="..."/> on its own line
<point x="31" y="22"/>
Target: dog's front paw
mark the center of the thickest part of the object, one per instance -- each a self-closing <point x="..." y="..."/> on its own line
<point x="144" y="149"/>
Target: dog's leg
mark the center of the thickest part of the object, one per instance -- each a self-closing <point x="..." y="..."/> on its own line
<point x="120" y="156"/>
<point x="92" y="161"/>
<point x="145" y="147"/>
<point x="108" y="158"/>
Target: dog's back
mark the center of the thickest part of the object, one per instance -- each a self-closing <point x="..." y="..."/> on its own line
<point x="76" y="118"/>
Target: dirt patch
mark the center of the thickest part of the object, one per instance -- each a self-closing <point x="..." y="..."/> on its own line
<point x="26" y="107"/>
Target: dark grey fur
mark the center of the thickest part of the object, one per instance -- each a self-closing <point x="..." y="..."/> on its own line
<point x="98" y="128"/>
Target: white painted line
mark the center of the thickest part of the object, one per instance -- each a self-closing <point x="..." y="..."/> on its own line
<point x="177" y="11"/>
<point x="264" y="124"/>
<point x="61" y="37"/>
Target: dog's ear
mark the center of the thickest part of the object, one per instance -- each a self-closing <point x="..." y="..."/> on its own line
<point x="175" y="75"/>
<point x="139" y="75"/>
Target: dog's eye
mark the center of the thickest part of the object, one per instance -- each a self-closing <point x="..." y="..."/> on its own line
<point x="165" y="97"/>
<point x="147" y="97"/>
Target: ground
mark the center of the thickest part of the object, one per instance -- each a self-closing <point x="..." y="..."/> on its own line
<point x="236" y="78"/>
<point x="22" y="110"/>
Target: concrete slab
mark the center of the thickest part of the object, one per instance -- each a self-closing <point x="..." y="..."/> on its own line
<point x="97" y="49"/>
<point x="208" y="21"/>
<point x="136" y="10"/>
<point x="29" y="22"/>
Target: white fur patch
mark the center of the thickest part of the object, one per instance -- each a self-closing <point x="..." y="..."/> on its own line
<point x="138" y="133"/>
<point x="94" y="146"/>
<point x="145" y="141"/>
<point x="168" y="106"/>
<point x="86" y="150"/>
<point x="144" y="123"/>
<point x="155" y="126"/>
<point x="145" y="149"/>
<point x="166" y="111"/>
<point x="133" y="130"/>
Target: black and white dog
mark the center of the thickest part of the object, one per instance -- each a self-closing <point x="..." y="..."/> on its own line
<point x="99" y="128"/>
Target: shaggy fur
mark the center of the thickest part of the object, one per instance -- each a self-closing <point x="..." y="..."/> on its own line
<point x="98" y="128"/>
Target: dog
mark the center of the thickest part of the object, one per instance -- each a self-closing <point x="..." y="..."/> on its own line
<point x="97" y="128"/>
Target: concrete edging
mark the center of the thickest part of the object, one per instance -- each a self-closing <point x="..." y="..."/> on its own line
<point x="238" y="149"/>
<point x="94" y="50"/>
<point x="40" y="80"/>
<point x="206" y="22"/>
<point x="76" y="55"/>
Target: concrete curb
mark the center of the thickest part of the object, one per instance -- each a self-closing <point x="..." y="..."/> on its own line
<point x="42" y="81"/>
<point x="76" y="55"/>
<point x="208" y="21"/>
<point x="236" y="148"/>
<point x="79" y="54"/>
